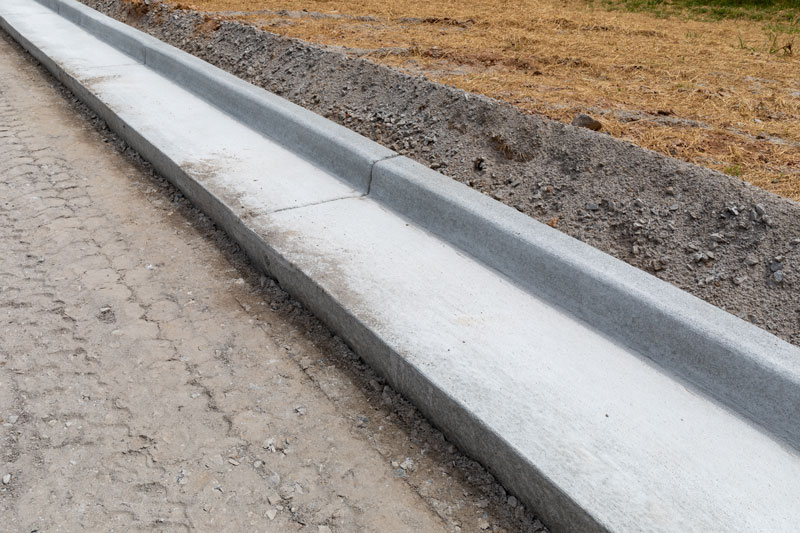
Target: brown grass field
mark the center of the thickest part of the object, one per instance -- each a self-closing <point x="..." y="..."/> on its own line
<point x="721" y="93"/>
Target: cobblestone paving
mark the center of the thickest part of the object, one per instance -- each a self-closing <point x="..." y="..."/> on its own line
<point x="150" y="380"/>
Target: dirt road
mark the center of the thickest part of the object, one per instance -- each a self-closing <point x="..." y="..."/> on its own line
<point x="151" y="380"/>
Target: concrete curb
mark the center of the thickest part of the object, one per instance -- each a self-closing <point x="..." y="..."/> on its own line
<point x="740" y="365"/>
<point x="329" y="145"/>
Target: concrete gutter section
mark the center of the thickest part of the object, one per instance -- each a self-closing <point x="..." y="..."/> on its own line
<point x="337" y="149"/>
<point x="601" y="396"/>
<point x="742" y="365"/>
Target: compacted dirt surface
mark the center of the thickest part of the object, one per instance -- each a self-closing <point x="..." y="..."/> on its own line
<point x="150" y="380"/>
<point x="727" y="242"/>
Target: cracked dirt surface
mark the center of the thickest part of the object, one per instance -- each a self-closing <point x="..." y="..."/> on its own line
<point x="151" y="380"/>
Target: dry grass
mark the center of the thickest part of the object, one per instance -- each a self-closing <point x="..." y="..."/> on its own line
<point x="739" y="79"/>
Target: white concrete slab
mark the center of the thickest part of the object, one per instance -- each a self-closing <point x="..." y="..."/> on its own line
<point x="58" y="39"/>
<point x="634" y="447"/>
<point x="8" y="7"/>
<point x="211" y="146"/>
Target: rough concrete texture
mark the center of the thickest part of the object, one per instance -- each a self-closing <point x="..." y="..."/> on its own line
<point x="733" y="245"/>
<point x="151" y="380"/>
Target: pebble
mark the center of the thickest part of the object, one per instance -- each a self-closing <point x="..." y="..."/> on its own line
<point x="775" y="266"/>
<point x="6" y="479"/>
<point x="271" y="514"/>
<point x="512" y="502"/>
<point x="585" y="121"/>
<point x="760" y="210"/>
<point x="407" y="464"/>
<point x="591" y="206"/>
<point x="750" y="260"/>
<point x="13" y="419"/>
<point x="483" y="524"/>
<point x="233" y="461"/>
<point x="274" y="498"/>
<point x="778" y="276"/>
<point x="324" y="529"/>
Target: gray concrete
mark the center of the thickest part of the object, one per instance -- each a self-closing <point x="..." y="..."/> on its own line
<point x="743" y="366"/>
<point x="531" y="350"/>
<point x="341" y="151"/>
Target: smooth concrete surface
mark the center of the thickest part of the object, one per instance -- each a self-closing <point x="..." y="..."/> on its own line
<point x="584" y="428"/>
<point x="741" y="365"/>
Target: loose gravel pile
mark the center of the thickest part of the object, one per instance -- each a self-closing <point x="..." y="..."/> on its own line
<point x="729" y="243"/>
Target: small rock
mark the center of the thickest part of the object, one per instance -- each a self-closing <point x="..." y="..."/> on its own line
<point x="300" y="410"/>
<point x="271" y="514"/>
<point x="750" y="260"/>
<point x="778" y="276"/>
<point x="591" y="206"/>
<point x="775" y="266"/>
<point x="13" y="419"/>
<point x="794" y="242"/>
<point x="324" y="529"/>
<point x="407" y="464"/>
<point x="6" y="479"/>
<point x="274" y="499"/>
<point x="760" y="210"/>
<point x="674" y="207"/>
<point x="670" y="191"/>
<point x="233" y="461"/>
<point x="483" y="524"/>
<point x="512" y="502"/>
<point x="257" y="464"/>
<point x="585" y="121"/>
<point x="479" y="164"/>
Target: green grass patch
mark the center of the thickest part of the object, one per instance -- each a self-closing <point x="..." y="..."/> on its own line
<point x="734" y="170"/>
<point x="777" y="12"/>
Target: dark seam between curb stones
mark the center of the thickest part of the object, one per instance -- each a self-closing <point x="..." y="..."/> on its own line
<point x="372" y="172"/>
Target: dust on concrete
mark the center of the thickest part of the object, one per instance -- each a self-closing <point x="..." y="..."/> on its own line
<point x="151" y="380"/>
<point x="729" y="243"/>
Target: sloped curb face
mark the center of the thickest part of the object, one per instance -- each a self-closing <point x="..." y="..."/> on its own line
<point x="524" y="328"/>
